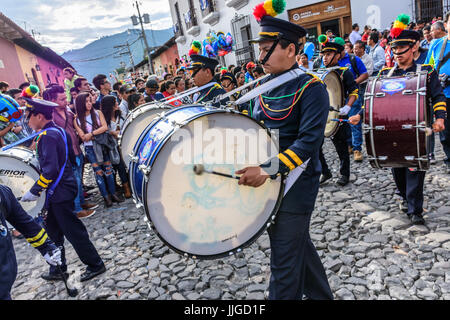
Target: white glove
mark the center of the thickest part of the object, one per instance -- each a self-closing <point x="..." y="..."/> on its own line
<point x="344" y="110"/>
<point x="55" y="258"/>
<point x="29" y="197"/>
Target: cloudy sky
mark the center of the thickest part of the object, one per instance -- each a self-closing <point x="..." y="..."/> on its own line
<point x="66" y="24"/>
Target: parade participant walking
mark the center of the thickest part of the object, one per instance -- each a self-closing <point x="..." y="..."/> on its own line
<point x="12" y="212"/>
<point x="64" y="118"/>
<point x="410" y="182"/>
<point x="360" y="74"/>
<point x="202" y="71"/>
<point x="438" y="57"/>
<point x="296" y="269"/>
<point x="89" y="124"/>
<point x="58" y="181"/>
<point x="331" y="54"/>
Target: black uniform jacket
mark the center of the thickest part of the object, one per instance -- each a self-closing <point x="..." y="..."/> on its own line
<point x="51" y="153"/>
<point x="301" y="130"/>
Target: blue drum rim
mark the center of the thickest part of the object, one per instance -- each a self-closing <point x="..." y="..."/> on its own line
<point x="265" y="226"/>
<point x="136" y="147"/>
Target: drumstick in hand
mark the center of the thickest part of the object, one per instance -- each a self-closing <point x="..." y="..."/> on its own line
<point x="199" y="169"/>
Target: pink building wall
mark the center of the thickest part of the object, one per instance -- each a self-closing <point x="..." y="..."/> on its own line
<point x="10" y="69"/>
<point x="48" y="70"/>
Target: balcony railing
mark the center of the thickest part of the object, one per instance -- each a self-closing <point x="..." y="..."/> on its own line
<point x="190" y="19"/>
<point x="207" y="6"/>
<point x="209" y="13"/>
<point x="177" y="30"/>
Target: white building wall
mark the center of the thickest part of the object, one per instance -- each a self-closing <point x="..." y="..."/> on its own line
<point x="376" y="13"/>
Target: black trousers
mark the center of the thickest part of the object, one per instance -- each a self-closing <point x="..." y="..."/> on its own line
<point x="62" y="222"/>
<point x="340" y="144"/>
<point x="410" y="185"/>
<point x="296" y="268"/>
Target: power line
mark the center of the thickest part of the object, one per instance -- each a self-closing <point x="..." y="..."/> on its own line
<point x="103" y="57"/>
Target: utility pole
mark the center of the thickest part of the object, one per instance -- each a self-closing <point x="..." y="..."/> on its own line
<point x="128" y="51"/>
<point x="147" y="48"/>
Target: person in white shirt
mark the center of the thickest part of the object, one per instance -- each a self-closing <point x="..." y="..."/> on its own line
<point x="354" y="36"/>
<point x="125" y="92"/>
<point x="359" y="49"/>
<point x="376" y="53"/>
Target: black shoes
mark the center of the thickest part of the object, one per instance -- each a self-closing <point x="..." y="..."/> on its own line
<point x="116" y="198"/>
<point x="54" y="277"/>
<point x="325" y="177"/>
<point x="404" y="206"/>
<point x="343" y="180"/>
<point x="108" y="201"/>
<point x="87" y="275"/>
<point x="417" y="219"/>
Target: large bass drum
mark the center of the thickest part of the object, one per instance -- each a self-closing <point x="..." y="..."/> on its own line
<point x="335" y="90"/>
<point x="19" y="170"/>
<point x="396" y="117"/>
<point x="136" y="122"/>
<point x="204" y="215"/>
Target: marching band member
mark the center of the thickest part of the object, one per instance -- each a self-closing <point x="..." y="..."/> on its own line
<point x="331" y="54"/>
<point x="299" y="110"/>
<point x="410" y="182"/>
<point x="58" y="180"/>
<point x="202" y="71"/>
<point x="36" y="236"/>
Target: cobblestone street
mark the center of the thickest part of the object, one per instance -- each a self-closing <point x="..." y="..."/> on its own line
<point x="369" y="248"/>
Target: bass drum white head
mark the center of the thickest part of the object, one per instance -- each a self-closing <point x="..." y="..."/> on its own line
<point x="135" y="124"/>
<point x="19" y="171"/>
<point x="209" y="216"/>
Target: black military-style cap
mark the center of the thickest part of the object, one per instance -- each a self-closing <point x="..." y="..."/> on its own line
<point x="406" y="37"/>
<point x="199" y="61"/>
<point x="274" y="28"/>
<point x="36" y="106"/>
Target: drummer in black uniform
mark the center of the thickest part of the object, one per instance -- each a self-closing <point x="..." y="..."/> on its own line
<point x="202" y="71"/>
<point x="331" y="52"/>
<point x="58" y="181"/>
<point x="409" y="181"/>
<point x="299" y="110"/>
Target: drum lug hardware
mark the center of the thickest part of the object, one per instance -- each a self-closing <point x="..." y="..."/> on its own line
<point x="422" y="91"/>
<point x="380" y="128"/>
<point x="380" y="95"/>
<point x="134" y="158"/>
<point x="407" y="126"/>
<point x="145" y="169"/>
<point x="380" y="158"/>
<point x="139" y="205"/>
<point x="407" y="92"/>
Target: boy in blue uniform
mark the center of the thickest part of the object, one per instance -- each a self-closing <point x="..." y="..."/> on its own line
<point x="296" y="269"/>
<point x="331" y="54"/>
<point x="57" y="178"/>
<point x="410" y="182"/>
<point x="12" y="211"/>
<point x="202" y="71"/>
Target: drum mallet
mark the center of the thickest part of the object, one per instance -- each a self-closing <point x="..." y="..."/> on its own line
<point x="199" y="169"/>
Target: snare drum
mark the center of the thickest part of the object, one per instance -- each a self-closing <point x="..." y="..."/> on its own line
<point x="335" y="90"/>
<point x="396" y="116"/>
<point x="204" y="215"/>
<point x="135" y="123"/>
<point x="19" y="170"/>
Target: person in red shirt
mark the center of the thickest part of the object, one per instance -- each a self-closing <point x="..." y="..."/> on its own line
<point x="168" y="89"/>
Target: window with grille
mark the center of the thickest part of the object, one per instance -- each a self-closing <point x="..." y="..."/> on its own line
<point x="242" y="35"/>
